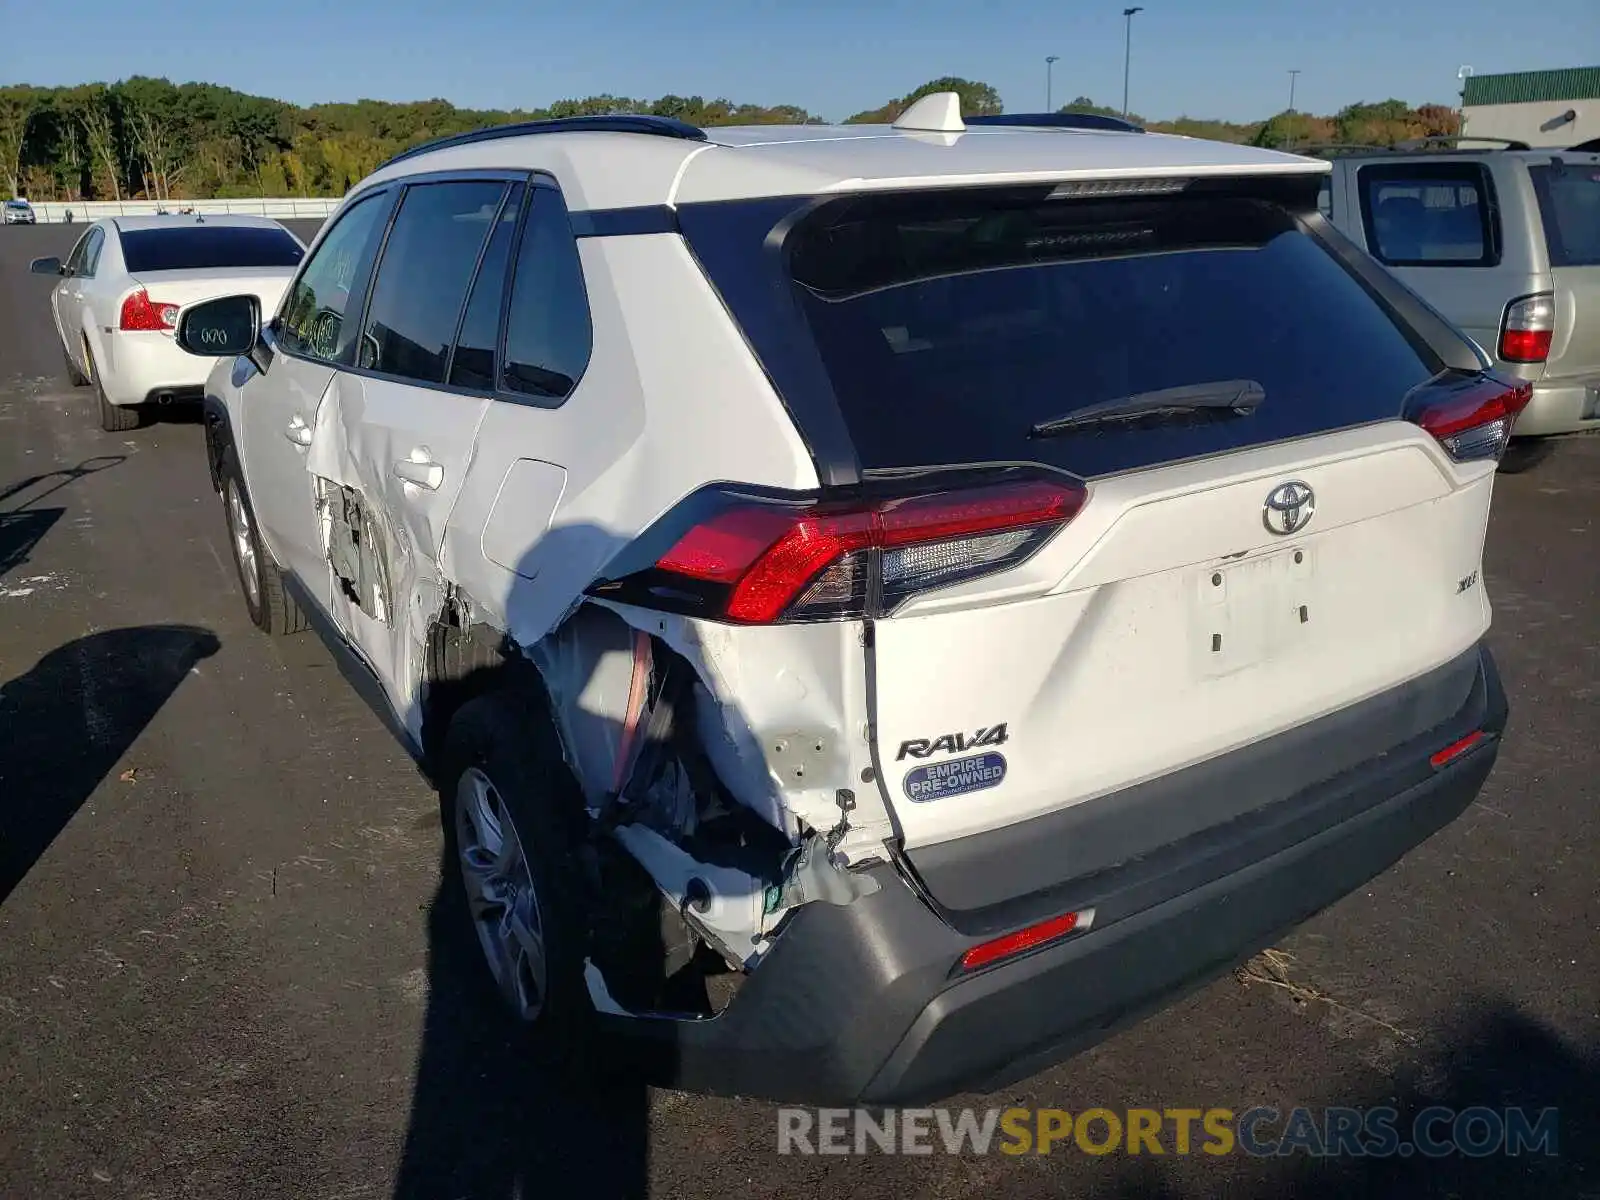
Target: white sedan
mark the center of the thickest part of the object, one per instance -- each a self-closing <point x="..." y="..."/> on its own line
<point x="124" y="284"/>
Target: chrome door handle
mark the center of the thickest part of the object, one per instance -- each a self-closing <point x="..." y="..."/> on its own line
<point x="420" y="470"/>
<point x="298" y="432"/>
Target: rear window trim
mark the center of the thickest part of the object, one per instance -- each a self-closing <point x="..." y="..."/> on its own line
<point x="1488" y="219"/>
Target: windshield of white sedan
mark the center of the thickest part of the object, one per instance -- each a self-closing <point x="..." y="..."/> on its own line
<point x="197" y="247"/>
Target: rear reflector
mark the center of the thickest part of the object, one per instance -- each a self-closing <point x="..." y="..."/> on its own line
<point x="1527" y="328"/>
<point x="1456" y="749"/>
<point x="1472" y="417"/>
<point x="787" y="562"/>
<point x="986" y="953"/>
<point x="139" y="312"/>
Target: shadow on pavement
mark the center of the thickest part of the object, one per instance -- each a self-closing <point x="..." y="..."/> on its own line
<point x="488" y="1120"/>
<point x="1497" y="1059"/>
<point x="22" y="526"/>
<point x="68" y="721"/>
<point x="497" y="1111"/>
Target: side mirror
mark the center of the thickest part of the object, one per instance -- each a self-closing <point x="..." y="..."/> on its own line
<point x="46" y="266"/>
<point x="222" y="328"/>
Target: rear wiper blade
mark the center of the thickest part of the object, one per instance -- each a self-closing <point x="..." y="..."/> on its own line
<point x="1240" y="396"/>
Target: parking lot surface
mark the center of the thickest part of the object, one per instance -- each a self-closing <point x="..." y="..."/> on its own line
<point x="225" y="969"/>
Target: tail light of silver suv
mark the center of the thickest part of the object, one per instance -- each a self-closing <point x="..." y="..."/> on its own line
<point x="1527" y="328"/>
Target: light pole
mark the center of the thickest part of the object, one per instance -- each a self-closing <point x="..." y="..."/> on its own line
<point x="1127" y="56"/>
<point x="1462" y="75"/>
<point x="1049" y="67"/>
<point x="1294" y="74"/>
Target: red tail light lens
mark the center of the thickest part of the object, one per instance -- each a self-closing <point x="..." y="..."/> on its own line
<point x="1527" y="328"/>
<point x="1473" y="418"/>
<point x="139" y="312"/>
<point x="1525" y="345"/>
<point x="770" y="562"/>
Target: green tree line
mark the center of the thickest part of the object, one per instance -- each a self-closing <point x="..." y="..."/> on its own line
<point x="153" y="139"/>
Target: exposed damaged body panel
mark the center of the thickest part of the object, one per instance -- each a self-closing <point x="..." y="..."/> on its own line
<point x="736" y="824"/>
<point x="356" y="549"/>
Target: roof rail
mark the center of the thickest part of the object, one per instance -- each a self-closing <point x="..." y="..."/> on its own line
<point x="616" y="123"/>
<point x="1592" y="146"/>
<point x="1316" y="149"/>
<point x="1060" y="120"/>
<point x="1440" y="139"/>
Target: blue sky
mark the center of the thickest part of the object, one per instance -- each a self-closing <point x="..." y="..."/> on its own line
<point x="1222" y="58"/>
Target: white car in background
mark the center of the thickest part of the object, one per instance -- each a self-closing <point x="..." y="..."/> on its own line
<point x="124" y="284"/>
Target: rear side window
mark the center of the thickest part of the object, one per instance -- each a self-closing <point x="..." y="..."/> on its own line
<point x="422" y="280"/>
<point x="195" y="247"/>
<point x="951" y="325"/>
<point x="1428" y="214"/>
<point x="548" y="333"/>
<point x="1569" y="203"/>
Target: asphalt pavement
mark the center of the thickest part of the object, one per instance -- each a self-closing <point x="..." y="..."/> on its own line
<point x="225" y="970"/>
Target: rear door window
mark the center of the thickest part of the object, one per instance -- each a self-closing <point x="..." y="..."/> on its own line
<point x="422" y="281"/>
<point x="1569" y="203"/>
<point x="1428" y="214"/>
<point x="192" y="248"/>
<point x="951" y="325"/>
<point x="473" y="364"/>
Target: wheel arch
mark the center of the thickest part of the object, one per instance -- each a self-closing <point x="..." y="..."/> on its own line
<point x="219" y="435"/>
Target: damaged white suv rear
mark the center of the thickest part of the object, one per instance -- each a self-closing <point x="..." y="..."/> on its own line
<point x="883" y="606"/>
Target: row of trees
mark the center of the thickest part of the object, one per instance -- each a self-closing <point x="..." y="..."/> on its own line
<point x="153" y="139"/>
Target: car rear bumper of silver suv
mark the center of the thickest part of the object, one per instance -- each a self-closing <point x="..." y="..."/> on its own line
<point x="868" y="1002"/>
<point x="1561" y="406"/>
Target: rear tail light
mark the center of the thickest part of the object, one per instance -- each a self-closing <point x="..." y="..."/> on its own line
<point x="1472" y="415"/>
<point x="139" y="312"/>
<point x="755" y="562"/>
<point x="1526" y="330"/>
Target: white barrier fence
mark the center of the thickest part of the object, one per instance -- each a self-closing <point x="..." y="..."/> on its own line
<point x="283" y="208"/>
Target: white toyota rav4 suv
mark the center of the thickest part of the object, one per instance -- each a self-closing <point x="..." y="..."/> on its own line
<point x="885" y="605"/>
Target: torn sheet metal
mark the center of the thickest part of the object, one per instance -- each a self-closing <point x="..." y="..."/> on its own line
<point x="797" y="687"/>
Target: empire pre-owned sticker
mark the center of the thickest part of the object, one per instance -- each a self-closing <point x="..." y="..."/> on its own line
<point x="957" y="777"/>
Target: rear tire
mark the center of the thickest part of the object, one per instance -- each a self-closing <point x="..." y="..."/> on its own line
<point x="114" y="418"/>
<point x="272" y="609"/>
<point x="502" y="784"/>
<point x="1524" y="454"/>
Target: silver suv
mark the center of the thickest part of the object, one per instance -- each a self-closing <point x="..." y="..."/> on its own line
<point x="1505" y="243"/>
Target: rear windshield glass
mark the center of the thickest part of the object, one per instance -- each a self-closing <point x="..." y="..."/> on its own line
<point x="195" y="247"/>
<point x="951" y="326"/>
<point x="1569" y="201"/>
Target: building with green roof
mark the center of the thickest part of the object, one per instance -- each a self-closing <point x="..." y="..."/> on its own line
<point x="1543" y="108"/>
